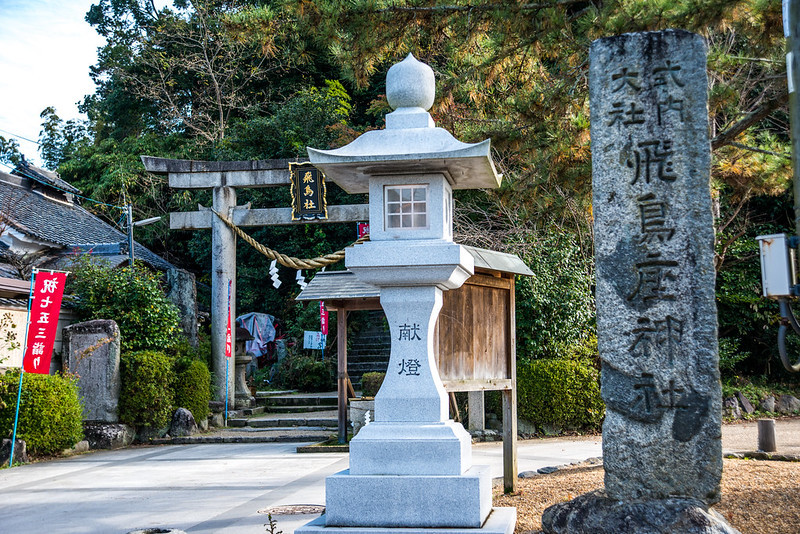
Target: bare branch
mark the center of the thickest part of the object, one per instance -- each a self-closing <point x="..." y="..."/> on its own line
<point x="727" y="137"/>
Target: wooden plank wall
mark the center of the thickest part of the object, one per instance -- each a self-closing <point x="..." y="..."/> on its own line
<point x="473" y="329"/>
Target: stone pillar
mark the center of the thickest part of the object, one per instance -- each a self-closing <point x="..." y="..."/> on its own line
<point x="182" y="291"/>
<point x="223" y="269"/>
<point x="656" y="313"/>
<point x="477" y="411"/>
<point x="92" y="350"/>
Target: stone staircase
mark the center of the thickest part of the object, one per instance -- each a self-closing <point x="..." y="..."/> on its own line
<point x="312" y="416"/>
<point x="369" y="349"/>
<point x="279" y="416"/>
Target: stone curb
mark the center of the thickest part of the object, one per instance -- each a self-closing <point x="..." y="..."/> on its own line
<point x="760" y="455"/>
<point x="594" y="461"/>
<point x="324" y="448"/>
<point x="191" y="440"/>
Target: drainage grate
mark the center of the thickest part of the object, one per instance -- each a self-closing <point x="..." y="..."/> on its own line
<point x="294" y="509"/>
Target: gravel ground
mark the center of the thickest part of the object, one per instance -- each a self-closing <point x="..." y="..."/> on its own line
<point x="758" y="497"/>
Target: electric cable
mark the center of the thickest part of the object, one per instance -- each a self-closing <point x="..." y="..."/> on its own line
<point x="788" y="317"/>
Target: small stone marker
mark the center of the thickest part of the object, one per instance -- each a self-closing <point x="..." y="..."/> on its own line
<point x="92" y="350"/>
<point x="656" y="313"/>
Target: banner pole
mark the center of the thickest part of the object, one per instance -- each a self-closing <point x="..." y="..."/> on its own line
<point x="227" y="352"/>
<point x="227" y="364"/>
<point x="22" y="370"/>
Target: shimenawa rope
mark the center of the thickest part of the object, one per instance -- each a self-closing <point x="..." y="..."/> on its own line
<point x="283" y="259"/>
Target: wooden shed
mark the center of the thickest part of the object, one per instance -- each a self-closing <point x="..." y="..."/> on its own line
<point x="475" y="333"/>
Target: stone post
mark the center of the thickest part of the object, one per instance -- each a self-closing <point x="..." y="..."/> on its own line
<point x="656" y="313"/>
<point x="223" y="269"/>
<point x="182" y="291"/>
<point x="92" y="350"/>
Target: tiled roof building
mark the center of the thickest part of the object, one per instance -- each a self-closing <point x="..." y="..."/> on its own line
<point x="40" y="213"/>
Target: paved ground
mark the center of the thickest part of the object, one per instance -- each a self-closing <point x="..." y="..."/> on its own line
<point x="221" y="488"/>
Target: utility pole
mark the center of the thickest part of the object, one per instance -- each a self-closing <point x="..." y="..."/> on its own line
<point x="129" y="207"/>
<point x="791" y="30"/>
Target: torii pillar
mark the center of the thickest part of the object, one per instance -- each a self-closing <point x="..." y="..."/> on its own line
<point x="223" y="177"/>
<point x="223" y="269"/>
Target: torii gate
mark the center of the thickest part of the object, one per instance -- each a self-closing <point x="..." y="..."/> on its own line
<point x="223" y="178"/>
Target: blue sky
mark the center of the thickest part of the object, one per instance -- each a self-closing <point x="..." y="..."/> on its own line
<point x="46" y="49"/>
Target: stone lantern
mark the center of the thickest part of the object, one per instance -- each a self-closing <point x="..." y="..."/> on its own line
<point x="244" y="399"/>
<point x="412" y="467"/>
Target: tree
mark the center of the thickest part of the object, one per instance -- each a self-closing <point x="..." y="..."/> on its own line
<point x="9" y="151"/>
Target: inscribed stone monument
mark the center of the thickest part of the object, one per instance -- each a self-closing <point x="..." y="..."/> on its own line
<point x="91" y="350"/>
<point x="656" y="314"/>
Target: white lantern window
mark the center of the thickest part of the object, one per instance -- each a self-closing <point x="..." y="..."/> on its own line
<point x="406" y="206"/>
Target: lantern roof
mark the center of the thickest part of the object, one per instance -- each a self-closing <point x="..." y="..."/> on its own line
<point x="410" y="144"/>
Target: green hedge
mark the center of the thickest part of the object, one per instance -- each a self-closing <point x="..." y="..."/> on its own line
<point x="50" y="413"/>
<point x="146" y="391"/>
<point x="371" y="383"/>
<point x="193" y="387"/>
<point x="306" y="373"/>
<point x="559" y="392"/>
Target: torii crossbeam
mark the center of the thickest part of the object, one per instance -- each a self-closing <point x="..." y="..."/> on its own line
<point x="223" y="178"/>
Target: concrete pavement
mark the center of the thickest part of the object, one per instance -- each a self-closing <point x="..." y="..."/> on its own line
<point x="217" y="488"/>
<point x="222" y="488"/>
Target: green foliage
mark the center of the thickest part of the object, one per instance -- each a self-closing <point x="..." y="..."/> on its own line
<point x="9" y="151"/>
<point x="192" y="387"/>
<point x="559" y="392"/>
<point x="311" y="117"/>
<point x="757" y="388"/>
<point x="50" y="413"/>
<point x="132" y="298"/>
<point x="371" y="383"/>
<point x="555" y="306"/>
<point x="59" y="141"/>
<point x="146" y="392"/>
<point x="306" y="373"/>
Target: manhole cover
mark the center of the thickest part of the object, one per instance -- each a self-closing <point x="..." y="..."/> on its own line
<point x="294" y="509"/>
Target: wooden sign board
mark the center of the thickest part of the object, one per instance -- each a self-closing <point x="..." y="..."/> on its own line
<point x="308" y="192"/>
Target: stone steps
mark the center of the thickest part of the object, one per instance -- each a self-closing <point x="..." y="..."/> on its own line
<point x="302" y="413"/>
<point x="288" y="422"/>
<point x="299" y="400"/>
<point x="370" y="349"/>
<point x="300" y="409"/>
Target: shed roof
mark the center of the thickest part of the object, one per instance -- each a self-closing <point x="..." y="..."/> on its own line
<point x="336" y="285"/>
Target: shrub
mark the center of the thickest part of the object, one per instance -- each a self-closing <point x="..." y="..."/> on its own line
<point x="371" y="383"/>
<point x="146" y="393"/>
<point x="555" y="307"/>
<point x="50" y="413"/>
<point x="306" y="373"/>
<point x="147" y="320"/>
<point x="192" y="387"/>
<point x="559" y="392"/>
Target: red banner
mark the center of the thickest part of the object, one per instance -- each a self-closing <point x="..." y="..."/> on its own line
<point x="323" y="318"/>
<point x="45" y="307"/>
<point x="363" y="229"/>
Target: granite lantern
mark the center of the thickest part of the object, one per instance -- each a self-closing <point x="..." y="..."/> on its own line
<point x="411" y="467"/>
